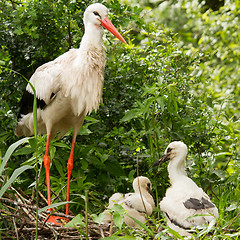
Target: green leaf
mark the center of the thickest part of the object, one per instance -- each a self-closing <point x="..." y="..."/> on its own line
<point x="142" y="225"/>
<point x="232" y="207"/>
<point x="10" y="151"/>
<point x="118" y="208"/>
<point x="60" y="144"/>
<point x="175" y="234"/>
<point x="90" y="119"/>
<point x="33" y="143"/>
<point x="208" y="228"/>
<point x="118" y="215"/>
<point x="76" y="221"/>
<point x="160" y="101"/>
<point x="84" y="131"/>
<point x="130" y="115"/>
<point x="23" y="151"/>
<point x="98" y="218"/>
<point x="119" y="238"/>
<point x="15" y="174"/>
<point x="54" y="205"/>
<point x="18" y="31"/>
<point x="118" y="219"/>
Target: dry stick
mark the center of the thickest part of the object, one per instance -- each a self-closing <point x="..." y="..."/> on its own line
<point x="8" y="206"/>
<point x="17" y="203"/>
<point x="26" y="210"/>
<point x="32" y="207"/>
<point x="40" y="169"/>
<point x="55" y="233"/>
<point x="20" y="195"/>
<point x="232" y="221"/>
<point x="44" y="199"/>
<point x="111" y="229"/>
<point x="51" y="213"/>
<point x="7" y="213"/>
<point x="102" y="233"/>
<point x="140" y="188"/>
<point x="15" y="227"/>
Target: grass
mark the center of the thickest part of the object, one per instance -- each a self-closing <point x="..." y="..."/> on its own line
<point x="226" y="198"/>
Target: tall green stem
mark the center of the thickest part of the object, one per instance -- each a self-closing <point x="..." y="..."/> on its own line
<point x="86" y="213"/>
<point x="35" y="136"/>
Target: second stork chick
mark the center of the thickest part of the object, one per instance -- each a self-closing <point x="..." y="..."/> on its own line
<point x="185" y="204"/>
<point x="137" y="205"/>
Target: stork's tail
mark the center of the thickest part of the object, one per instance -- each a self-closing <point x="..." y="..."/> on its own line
<point x="23" y="130"/>
<point x="25" y="125"/>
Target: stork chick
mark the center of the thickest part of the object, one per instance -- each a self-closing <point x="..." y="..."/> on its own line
<point x="67" y="89"/>
<point x="137" y="204"/>
<point x="184" y="199"/>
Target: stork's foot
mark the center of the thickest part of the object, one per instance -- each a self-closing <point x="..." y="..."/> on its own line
<point x="57" y="220"/>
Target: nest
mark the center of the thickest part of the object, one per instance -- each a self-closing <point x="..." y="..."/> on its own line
<point x="19" y="218"/>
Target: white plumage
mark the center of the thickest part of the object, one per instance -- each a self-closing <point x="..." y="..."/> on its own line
<point x="68" y="88"/>
<point x="184" y="199"/>
<point x="137" y="205"/>
<point x="71" y="85"/>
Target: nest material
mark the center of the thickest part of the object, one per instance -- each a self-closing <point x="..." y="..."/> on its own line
<point x="19" y="218"/>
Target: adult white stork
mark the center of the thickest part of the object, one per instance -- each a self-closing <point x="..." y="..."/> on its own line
<point x="67" y="89"/>
<point x="137" y="204"/>
<point x="185" y="204"/>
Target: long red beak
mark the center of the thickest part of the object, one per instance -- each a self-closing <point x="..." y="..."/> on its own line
<point x="106" y="23"/>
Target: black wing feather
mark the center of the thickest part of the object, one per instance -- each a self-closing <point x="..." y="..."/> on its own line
<point x="26" y="103"/>
<point x="194" y="203"/>
<point x="129" y="204"/>
<point x="207" y="204"/>
<point x="173" y="221"/>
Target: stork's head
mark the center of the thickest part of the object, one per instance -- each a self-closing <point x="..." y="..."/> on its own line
<point x="144" y="184"/>
<point x="97" y="14"/>
<point x="174" y="150"/>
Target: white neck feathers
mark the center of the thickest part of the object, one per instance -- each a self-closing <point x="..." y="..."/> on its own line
<point x="92" y="37"/>
<point x="176" y="169"/>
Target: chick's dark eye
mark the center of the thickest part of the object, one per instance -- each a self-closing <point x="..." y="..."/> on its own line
<point x="149" y="186"/>
<point x="169" y="150"/>
<point x="96" y="14"/>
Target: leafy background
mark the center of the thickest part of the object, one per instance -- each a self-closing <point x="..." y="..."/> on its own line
<point x="177" y="79"/>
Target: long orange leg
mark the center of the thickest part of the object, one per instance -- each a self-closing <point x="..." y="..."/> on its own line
<point x="47" y="163"/>
<point x="69" y="168"/>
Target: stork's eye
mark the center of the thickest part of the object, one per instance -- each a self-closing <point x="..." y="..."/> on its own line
<point x="96" y="14"/>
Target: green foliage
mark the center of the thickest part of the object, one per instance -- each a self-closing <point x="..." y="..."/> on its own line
<point x="17" y="171"/>
<point x="177" y="79"/>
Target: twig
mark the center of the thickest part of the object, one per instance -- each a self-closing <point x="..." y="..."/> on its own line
<point x="44" y="199"/>
<point x="15" y="227"/>
<point x="6" y="212"/>
<point x="101" y="232"/>
<point x="210" y="187"/>
<point x="8" y="206"/>
<point x="17" y="203"/>
<point x="26" y="210"/>
<point x="140" y="188"/>
<point x="20" y="195"/>
<point x="111" y="229"/>
<point x="33" y="208"/>
<point x="25" y="228"/>
<point x="232" y="221"/>
<point x="40" y="169"/>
